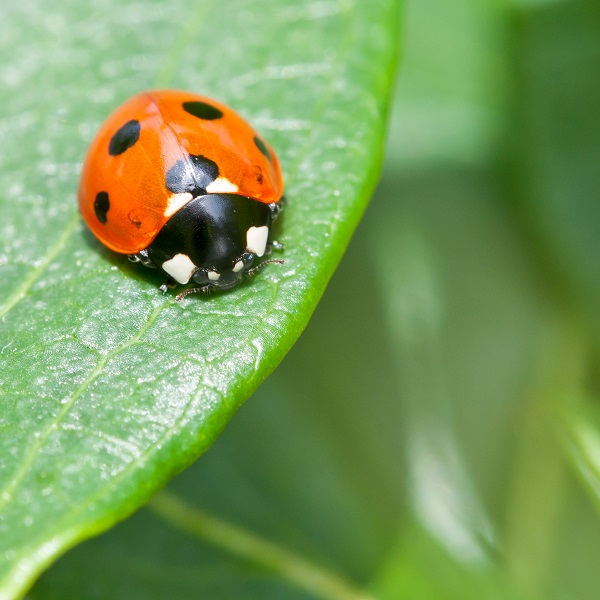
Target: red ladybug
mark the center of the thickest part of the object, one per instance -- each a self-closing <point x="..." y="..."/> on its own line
<point x="182" y="183"/>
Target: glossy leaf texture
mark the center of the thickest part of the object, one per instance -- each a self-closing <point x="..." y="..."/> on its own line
<point x="107" y="387"/>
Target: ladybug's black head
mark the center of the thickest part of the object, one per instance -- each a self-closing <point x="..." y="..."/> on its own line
<point x="226" y="278"/>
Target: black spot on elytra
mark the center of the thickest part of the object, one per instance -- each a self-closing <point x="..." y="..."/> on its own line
<point x="262" y="147"/>
<point x="202" y="110"/>
<point x="192" y="175"/>
<point x="101" y="206"/>
<point x="125" y="137"/>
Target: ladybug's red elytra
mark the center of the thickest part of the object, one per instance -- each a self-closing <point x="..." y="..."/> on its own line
<point x="182" y="183"/>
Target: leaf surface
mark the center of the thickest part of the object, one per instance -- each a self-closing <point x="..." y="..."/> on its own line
<point x="107" y="387"/>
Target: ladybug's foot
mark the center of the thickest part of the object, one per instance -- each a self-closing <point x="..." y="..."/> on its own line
<point x="142" y="257"/>
<point x="275" y="208"/>
<point x="199" y="290"/>
<point x="168" y="284"/>
<point x="273" y="245"/>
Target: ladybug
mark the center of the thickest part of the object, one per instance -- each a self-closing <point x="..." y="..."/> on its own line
<point x="182" y="183"/>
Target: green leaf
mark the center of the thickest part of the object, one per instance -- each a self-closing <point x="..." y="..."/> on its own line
<point x="107" y="387"/>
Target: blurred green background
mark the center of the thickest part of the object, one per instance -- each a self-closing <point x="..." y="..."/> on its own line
<point x="434" y="433"/>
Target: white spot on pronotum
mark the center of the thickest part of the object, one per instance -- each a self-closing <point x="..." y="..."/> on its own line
<point x="214" y="275"/>
<point x="176" y="201"/>
<point x="256" y="239"/>
<point x="222" y="185"/>
<point x="180" y="268"/>
<point x="239" y="265"/>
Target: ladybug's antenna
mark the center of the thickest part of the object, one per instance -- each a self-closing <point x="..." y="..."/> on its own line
<point x="199" y="290"/>
<point x="207" y="289"/>
<point x="277" y="261"/>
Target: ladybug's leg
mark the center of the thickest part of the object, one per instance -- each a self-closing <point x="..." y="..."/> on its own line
<point x="275" y="208"/>
<point x="168" y="284"/>
<point x="273" y="245"/>
<point x="142" y="257"/>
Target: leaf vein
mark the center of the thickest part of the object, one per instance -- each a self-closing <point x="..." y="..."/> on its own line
<point x="30" y="280"/>
<point x="31" y="454"/>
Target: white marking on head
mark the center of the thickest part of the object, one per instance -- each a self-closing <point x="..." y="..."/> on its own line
<point x="256" y="239"/>
<point x="239" y="265"/>
<point x="180" y="268"/>
<point x="176" y="201"/>
<point x="214" y="275"/>
<point x="222" y="185"/>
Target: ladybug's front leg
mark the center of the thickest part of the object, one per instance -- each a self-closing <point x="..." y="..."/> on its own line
<point x="275" y="208"/>
<point x="170" y="283"/>
<point x="273" y="245"/>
